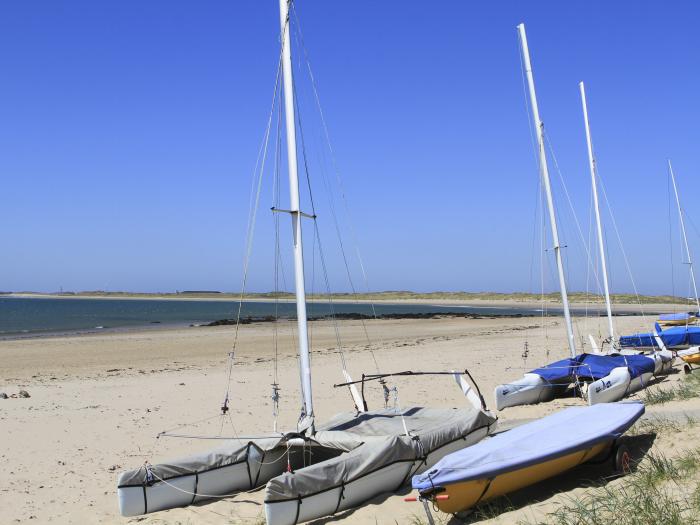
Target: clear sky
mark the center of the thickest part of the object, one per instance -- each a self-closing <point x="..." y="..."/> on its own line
<point x="129" y="132"/>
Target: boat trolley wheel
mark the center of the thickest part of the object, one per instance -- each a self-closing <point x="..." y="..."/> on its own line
<point x="622" y="458"/>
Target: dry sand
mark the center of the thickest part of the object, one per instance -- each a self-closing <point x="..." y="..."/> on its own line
<point x="98" y="401"/>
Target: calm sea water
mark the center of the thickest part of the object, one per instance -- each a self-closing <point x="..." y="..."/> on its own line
<point x="37" y="316"/>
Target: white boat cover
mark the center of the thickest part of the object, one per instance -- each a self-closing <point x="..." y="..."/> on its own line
<point x="556" y="435"/>
<point x="375" y="440"/>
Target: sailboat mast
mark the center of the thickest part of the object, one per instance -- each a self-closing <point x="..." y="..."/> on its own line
<point x="594" y="185"/>
<point x="544" y="171"/>
<point x="685" y="237"/>
<point x="304" y="361"/>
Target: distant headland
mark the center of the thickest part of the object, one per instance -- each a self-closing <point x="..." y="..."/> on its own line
<point x="380" y="296"/>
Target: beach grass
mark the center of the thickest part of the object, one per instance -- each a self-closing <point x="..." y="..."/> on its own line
<point x="689" y="388"/>
<point x="655" y="493"/>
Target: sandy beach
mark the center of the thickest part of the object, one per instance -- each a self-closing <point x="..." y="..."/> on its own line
<point x="98" y="401"/>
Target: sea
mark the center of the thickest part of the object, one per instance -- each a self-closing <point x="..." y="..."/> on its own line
<point x="36" y="317"/>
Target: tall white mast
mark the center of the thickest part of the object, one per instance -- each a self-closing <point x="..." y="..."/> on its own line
<point x="685" y="237"/>
<point x="594" y="185"/>
<point x="544" y="171"/>
<point x="304" y="362"/>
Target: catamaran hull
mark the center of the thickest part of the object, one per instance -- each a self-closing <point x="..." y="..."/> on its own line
<point x="616" y="386"/>
<point x="180" y="492"/>
<point x="350" y="460"/>
<point x="189" y="480"/>
<point x="356" y="492"/>
<point x="529" y="390"/>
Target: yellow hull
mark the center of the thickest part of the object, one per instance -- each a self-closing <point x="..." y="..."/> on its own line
<point x="692" y="359"/>
<point x="680" y="322"/>
<point x="466" y="494"/>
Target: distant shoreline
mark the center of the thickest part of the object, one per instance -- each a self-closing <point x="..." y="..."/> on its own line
<point x="577" y="299"/>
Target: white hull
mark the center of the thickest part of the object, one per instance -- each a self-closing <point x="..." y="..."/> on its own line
<point x="178" y="492"/>
<point x="358" y="491"/>
<point x="529" y="390"/>
<point x="256" y="469"/>
<point x="609" y="388"/>
<point x="352" y="459"/>
<point x="616" y="386"/>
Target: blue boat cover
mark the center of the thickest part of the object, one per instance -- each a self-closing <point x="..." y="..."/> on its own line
<point x="592" y="366"/>
<point x="672" y="337"/>
<point x="685" y="316"/>
<point x="559" y="434"/>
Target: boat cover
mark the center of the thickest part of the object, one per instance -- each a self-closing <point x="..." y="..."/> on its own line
<point x="376" y="439"/>
<point x="562" y="433"/>
<point x="203" y="462"/>
<point x="684" y="316"/>
<point x="676" y="336"/>
<point x="593" y="367"/>
<point x="367" y="442"/>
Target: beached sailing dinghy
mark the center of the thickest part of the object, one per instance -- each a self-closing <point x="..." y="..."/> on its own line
<point x="314" y="470"/>
<point x="681" y="319"/>
<point x="674" y="338"/>
<point x="528" y="454"/>
<point x="606" y="377"/>
<point x="684" y="318"/>
<point x="682" y="336"/>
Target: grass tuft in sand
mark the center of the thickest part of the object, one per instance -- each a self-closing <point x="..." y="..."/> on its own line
<point x="687" y="389"/>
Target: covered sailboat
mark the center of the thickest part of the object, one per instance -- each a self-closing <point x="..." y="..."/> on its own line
<point x="674" y="338"/>
<point x="679" y="319"/>
<point x="603" y="377"/>
<point x="606" y="378"/>
<point x="526" y="455"/>
<point x="342" y="464"/>
<point x="681" y="335"/>
<point x="315" y="469"/>
<point x="683" y="318"/>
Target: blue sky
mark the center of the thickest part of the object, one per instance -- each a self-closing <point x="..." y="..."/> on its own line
<point x="129" y="132"/>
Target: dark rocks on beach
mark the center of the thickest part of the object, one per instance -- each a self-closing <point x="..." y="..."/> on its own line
<point x="358" y="317"/>
<point x="3" y="395"/>
<point x="24" y="393"/>
<point x="244" y="320"/>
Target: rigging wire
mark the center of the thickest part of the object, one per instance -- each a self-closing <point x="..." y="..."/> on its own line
<point x="533" y="142"/>
<point x="262" y="155"/>
<point x="326" y="135"/>
<point x="622" y="250"/>
<point x="317" y="240"/>
<point x="276" y="218"/>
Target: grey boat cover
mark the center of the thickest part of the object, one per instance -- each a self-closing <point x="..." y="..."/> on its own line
<point x="198" y="463"/>
<point x="375" y="440"/>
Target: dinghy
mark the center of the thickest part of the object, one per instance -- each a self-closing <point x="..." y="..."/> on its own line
<point x="675" y="338"/>
<point x="680" y="335"/>
<point x="311" y="471"/>
<point x="525" y="455"/>
<point x="690" y="355"/>
<point x="681" y="319"/>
